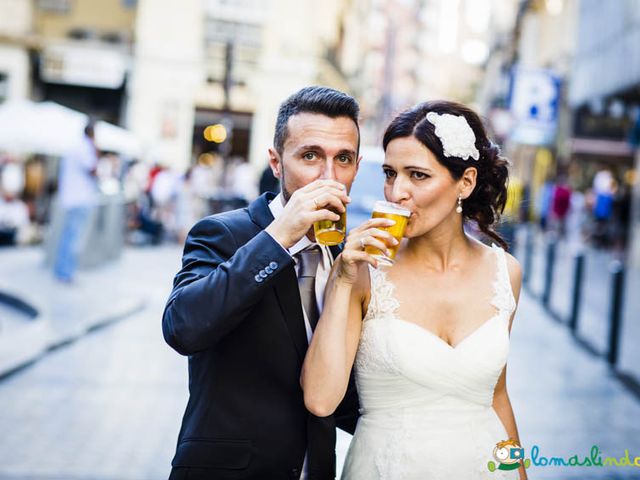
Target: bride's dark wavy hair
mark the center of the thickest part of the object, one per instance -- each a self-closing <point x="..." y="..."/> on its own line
<point x="488" y="199"/>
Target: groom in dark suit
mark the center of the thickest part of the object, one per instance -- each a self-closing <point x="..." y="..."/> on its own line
<point x="244" y="305"/>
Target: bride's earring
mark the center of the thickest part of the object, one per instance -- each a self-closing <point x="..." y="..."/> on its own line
<point x="459" y="207"/>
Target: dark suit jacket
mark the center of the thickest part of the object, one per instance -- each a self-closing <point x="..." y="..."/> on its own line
<point x="235" y="310"/>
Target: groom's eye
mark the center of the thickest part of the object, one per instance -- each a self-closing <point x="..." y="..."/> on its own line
<point x="309" y="155"/>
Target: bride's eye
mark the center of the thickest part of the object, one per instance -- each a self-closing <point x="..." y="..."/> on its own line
<point x="419" y="175"/>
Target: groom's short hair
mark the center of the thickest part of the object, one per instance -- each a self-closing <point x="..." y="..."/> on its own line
<point x="320" y="100"/>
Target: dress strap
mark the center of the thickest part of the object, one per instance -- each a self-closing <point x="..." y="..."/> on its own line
<point x="503" y="298"/>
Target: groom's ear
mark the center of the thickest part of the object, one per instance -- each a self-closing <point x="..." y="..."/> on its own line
<point x="468" y="181"/>
<point x="275" y="163"/>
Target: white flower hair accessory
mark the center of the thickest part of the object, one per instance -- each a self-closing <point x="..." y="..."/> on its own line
<point x="457" y="137"/>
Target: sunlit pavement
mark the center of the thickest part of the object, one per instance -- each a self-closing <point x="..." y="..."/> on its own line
<point x="106" y="406"/>
<point x="109" y="405"/>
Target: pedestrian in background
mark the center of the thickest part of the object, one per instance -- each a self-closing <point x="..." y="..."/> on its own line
<point x="14" y="213"/>
<point x="77" y="196"/>
<point x="621" y="217"/>
<point x="543" y="203"/>
<point x="242" y="181"/>
<point x="603" y="190"/>
<point x="577" y="218"/>
<point x="560" y="204"/>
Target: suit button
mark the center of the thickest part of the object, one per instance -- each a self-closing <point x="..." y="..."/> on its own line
<point x="262" y="273"/>
<point x="258" y="279"/>
<point x="294" y="473"/>
<point x="273" y="265"/>
<point x="269" y="270"/>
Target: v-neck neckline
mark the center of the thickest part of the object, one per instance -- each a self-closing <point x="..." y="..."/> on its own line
<point x="498" y="313"/>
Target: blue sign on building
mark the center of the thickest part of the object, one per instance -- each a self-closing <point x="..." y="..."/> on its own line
<point x="534" y="104"/>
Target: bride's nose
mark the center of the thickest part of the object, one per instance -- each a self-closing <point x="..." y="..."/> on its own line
<point x="400" y="190"/>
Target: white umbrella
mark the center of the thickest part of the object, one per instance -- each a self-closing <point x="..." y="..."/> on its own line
<point x="52" y="129"/>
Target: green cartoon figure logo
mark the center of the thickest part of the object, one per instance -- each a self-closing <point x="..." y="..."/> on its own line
<point x="510" y="455"/>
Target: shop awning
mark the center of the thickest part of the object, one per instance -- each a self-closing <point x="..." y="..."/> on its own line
<point x="51" y="129"/>
<point x="597" y="146"/>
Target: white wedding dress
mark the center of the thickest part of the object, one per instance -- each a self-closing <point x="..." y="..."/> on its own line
<point x="426" y="406"/>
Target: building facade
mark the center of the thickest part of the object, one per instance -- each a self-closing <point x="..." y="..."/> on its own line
<point x="15" y="39"/>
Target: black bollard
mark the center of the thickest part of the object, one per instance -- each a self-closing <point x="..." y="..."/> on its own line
<point x="615" y="318"/>
<point x="578" y="270"/>
<point x="528" y="254"/>
<point x="548" y="274"/>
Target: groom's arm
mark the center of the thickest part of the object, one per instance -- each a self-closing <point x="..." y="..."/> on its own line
<point x="219" y="284"/>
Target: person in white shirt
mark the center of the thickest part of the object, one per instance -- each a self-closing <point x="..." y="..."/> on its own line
<point x="77" y="196"/>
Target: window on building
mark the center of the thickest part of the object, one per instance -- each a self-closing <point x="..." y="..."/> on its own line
<point x="56" y="6"/>
<point x="80" y="33"/>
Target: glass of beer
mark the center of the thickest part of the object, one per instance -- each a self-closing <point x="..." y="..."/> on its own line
<point x="330" y="233"/>
<point x="401" y="216"/>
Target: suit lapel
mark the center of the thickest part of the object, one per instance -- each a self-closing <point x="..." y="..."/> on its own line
<point x="286" y="284"/>
<point x="291" y="305"/>
<point x="259" y="210"/>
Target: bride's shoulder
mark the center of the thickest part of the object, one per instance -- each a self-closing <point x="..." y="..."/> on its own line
<point x="514" y="270"/>
<point x="513" y="265"/>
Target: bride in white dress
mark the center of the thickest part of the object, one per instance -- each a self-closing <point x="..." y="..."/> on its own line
<point x="429" y="336"/>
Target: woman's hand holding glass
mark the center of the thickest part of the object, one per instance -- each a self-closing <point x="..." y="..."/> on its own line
<point x="370" y="234"/>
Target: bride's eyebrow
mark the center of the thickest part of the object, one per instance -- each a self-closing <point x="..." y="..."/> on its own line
<point x="413" y="167"/>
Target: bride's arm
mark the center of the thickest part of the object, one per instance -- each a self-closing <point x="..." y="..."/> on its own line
<point x="502" y="406"/>
<point x="327" y="365"/>
<point x="501" y="401"/>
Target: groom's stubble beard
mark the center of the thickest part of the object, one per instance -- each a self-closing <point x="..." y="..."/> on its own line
<point x="285" y="193"/>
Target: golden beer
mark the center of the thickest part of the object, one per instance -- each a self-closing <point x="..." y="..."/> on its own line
<point x="328" y="232"/>
<point x="396" y="213"/>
